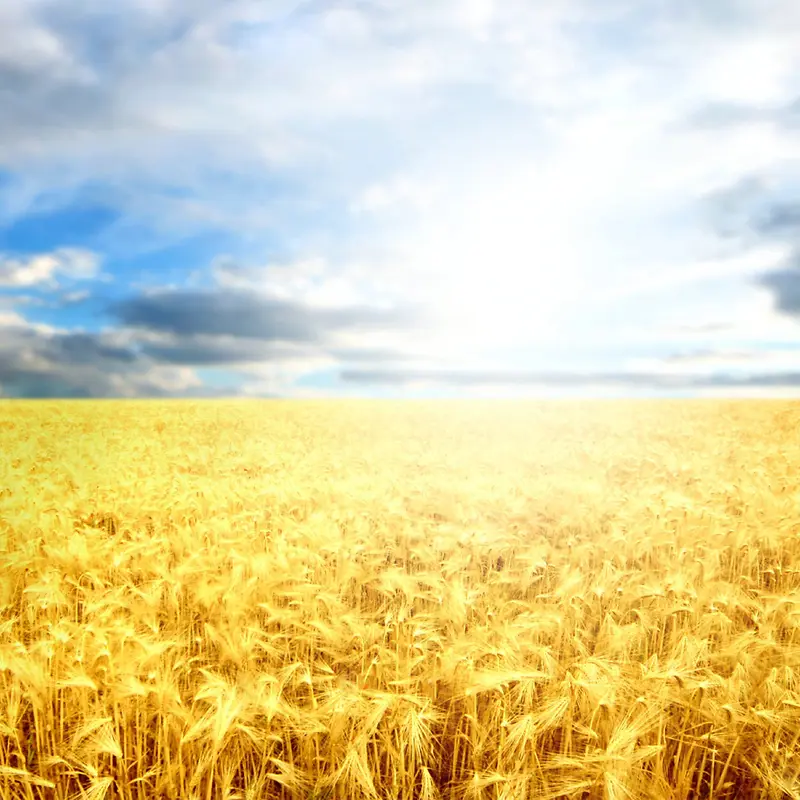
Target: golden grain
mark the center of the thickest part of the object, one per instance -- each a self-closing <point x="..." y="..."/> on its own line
<point x="387" y="600"/>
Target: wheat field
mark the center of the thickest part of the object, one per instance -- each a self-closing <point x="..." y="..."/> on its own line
<point x="374" y="599"/>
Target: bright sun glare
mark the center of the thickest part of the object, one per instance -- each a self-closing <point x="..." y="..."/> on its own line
<point x="501" y="266"/>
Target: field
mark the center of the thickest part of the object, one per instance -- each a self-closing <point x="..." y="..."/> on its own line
<point x="270" y="599"/>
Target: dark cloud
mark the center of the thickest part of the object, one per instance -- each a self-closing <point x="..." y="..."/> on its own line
<point x="44" y="105"/>
<point x="188" y="313"/>
<point x="755" y="208"/>
<point x="785" y="286"/>
<point x="156" y="360"/>
<point x="749" y="210"/>
<point x="36" y="363"/>
<point x="64" y="348"/>
<point x="780" y="219"/>
<point x="378" y="355"/>
<point x="566" y="380"/>
<point x="19" y="382"/>
<point x="758" y="212"/>
<point x="250" y="316"/>
<point x="205" y="352"/>
<point x="84" y="348"/>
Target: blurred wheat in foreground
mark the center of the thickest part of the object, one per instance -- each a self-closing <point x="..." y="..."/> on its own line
<point x="399" y="600"/>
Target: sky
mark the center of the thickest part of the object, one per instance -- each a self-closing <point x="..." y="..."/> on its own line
<point x="398" y="198"/>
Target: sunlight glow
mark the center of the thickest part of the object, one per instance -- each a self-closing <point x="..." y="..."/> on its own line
<point x="501" y="268"/>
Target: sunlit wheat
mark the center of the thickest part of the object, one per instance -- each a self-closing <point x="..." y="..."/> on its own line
<point x="416" y="601"/>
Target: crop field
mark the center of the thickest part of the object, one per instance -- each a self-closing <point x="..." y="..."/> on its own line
<point x="372" y="599"/>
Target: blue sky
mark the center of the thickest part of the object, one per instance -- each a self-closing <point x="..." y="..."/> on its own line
<point x="462" y="197"/>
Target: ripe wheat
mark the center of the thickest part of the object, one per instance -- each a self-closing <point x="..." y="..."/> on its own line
<point x="399" y="600"/>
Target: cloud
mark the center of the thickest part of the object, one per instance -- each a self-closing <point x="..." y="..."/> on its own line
<point x="785" y="285"/>
<point x="39" y="361"/>
<point x="205" y="351"/>
<point x="84" y="348"/>
<point x="758" y="208"/>
<point x="47" y="268"/>
<point x="155" y="97"/>
<point x="715" y="116"/>
<point x="763" y="212"/>
<point x="249" y="316"/>
<point x="660" y="382"/>
<point x="10" y="319"/>
<point x="156" y="93"/>
<point x="781" y="219"/>
<point x="310" y="281"/>
<point x="403" y="190"/>
<point x="279" y="279"/>
<point x="710" y="356"/>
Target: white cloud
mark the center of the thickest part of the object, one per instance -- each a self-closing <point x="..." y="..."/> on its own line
<point x="401" y="190"/>
<point x="29" y="272"/>
<point x="76" y="297"/>
<point x="278" y="378"/>
<point x="170" y="380"/>
<point x="312" y="282"/>
<point x="11" y="319"/>
<point x="45" y="269"/>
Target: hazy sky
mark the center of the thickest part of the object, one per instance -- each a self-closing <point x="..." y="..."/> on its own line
<point x="395" y="197"/>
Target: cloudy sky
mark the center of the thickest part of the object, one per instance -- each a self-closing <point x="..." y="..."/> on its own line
<point x="399" y="197"/>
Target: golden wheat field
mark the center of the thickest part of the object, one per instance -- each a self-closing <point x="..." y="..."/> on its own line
<point x="373" y="599"/>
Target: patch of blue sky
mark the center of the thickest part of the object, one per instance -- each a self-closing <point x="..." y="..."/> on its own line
<point x="78" y="225"/>
<point x="183" y="262"/>
<point x="319" y="379"/>
<point x="216" y="378"/>
<point x="282" y="19"/>
<point x="215" y="205"/>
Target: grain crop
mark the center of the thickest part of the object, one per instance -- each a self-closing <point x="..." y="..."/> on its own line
<point x="441" y="600"/>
